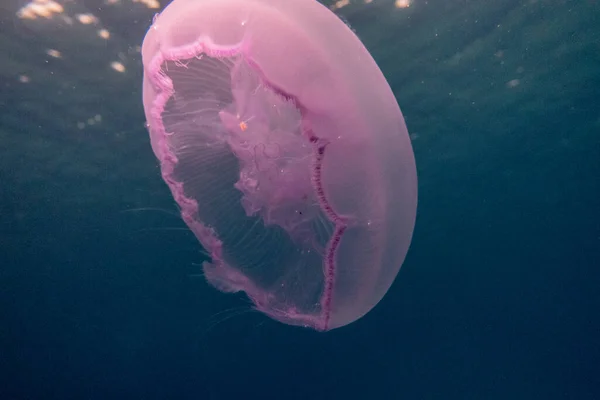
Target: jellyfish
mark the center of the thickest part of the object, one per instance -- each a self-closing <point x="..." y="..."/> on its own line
<point x="285" y="149"/>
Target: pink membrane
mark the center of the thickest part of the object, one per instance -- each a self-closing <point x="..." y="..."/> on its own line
<point x="283" y="145"/>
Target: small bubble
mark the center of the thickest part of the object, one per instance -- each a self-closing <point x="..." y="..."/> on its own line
<point x="86" y="19"/>
<point x="402" y="4"/>
<point x="54" y="53"/>
<point x="117" y="66"/>
<point x="104" y="34"/>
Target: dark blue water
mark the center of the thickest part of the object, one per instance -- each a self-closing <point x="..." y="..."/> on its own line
<point x="499" y="297"/>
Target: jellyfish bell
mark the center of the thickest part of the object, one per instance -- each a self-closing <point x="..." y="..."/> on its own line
<point x="284" y="147"/>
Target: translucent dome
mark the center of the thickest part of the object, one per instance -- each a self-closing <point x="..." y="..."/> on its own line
<point x="284" y="146"/>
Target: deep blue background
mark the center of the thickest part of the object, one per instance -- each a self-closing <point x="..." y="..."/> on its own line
<point x="498" y="298"/>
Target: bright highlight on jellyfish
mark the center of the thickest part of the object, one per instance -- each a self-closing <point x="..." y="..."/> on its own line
<point x="286" y="151"/>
